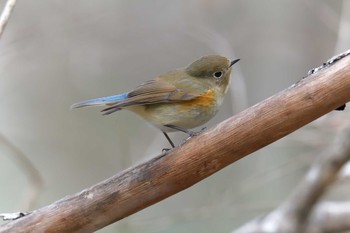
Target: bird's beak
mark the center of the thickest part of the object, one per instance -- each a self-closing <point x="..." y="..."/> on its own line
<point x="234" y="62"/>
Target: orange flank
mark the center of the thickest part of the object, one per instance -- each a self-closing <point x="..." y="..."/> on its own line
<point x="206" y="100"/>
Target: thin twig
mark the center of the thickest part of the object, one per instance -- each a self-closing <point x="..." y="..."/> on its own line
<point x="32" y="174"/>
<point x="5" y="15"/>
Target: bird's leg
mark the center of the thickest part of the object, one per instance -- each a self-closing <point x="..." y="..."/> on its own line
<point x="169" y="140"/>
<point x="189" y="132"/>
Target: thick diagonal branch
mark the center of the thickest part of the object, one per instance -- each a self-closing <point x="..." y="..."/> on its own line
<point x="203" y="155"/>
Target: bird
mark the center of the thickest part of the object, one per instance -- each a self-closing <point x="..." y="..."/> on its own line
<point x="178" y="100"/>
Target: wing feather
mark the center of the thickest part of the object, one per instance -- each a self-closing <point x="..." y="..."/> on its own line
<point x="152" y="92"/>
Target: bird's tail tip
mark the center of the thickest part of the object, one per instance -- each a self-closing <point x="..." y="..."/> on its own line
<point x="100" y="101"/>
<point x="76" y="105"/>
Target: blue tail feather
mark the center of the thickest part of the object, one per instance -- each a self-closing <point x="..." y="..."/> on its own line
<point x="101" y="101"/>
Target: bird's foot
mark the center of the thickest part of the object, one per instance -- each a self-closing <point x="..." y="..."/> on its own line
<point x="194" y="133"/>
<point x="166" y="150"/>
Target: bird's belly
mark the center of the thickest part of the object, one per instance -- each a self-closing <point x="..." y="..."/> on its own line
<point x="187" y="114"/>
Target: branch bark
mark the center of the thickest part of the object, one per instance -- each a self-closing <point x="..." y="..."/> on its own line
<point x="143" y="185"/>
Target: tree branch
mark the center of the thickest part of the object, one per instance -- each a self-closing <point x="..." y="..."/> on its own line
<point x="293" y="214"/>
<point x="150" y="182"/>
<point x="329" y="217"/>
<point x="325" y="217"/>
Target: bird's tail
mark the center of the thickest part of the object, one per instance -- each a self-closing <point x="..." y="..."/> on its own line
<point x="109" y="100"/>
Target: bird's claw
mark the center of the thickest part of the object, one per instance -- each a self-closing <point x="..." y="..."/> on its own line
<point x="193" y="133"/>
<point x="165" y="150"/>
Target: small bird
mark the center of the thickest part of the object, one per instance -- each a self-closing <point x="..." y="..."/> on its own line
<point x="178" y="100"/>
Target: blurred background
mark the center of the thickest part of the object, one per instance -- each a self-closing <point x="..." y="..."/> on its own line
<point x="55" y="53"/>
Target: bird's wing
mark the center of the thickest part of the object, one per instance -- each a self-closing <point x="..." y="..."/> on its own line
<point x="156" y="91"/>
<point x="152" y="92"/>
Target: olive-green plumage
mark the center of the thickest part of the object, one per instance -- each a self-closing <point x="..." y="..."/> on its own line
<point x="177" y="100"/>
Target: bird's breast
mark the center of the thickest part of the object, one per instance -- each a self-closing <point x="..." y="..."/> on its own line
<point x="185" y="114"/>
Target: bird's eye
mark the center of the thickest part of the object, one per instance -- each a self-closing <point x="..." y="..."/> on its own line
<point x="218" y="74"/>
